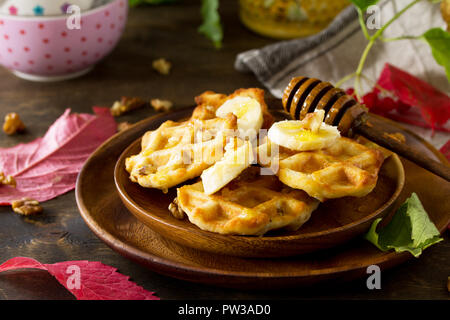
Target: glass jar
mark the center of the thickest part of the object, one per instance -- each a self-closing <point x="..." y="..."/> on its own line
<point x="286" y="19"/>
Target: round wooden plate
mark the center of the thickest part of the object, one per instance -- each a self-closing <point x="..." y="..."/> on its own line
<point x="333" y="223"/>
<point x="104" y="213"/>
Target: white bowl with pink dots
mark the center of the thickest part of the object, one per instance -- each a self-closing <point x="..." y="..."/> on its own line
<point x="54" y="48"/>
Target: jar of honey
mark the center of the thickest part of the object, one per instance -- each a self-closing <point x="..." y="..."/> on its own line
<point x="287" y="19"/>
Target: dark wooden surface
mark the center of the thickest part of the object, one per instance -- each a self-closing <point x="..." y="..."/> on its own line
<point x="61" y="234"/>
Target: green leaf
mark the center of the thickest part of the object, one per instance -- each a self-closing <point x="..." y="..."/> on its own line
<point x="211" y="26"/>
<point x="364" y="4"/>
<point x="439" y="41"/>
<point x="409" y="230"/>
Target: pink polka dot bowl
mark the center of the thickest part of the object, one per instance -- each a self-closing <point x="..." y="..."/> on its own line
<point x="62" y="47"/>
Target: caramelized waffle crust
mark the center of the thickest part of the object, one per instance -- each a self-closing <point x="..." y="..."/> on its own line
<point x="252" y="204"/>
<point x="346" y="168"/>
<point x="180" y="151"/>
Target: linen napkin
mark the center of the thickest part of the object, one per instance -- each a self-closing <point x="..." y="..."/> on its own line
<point x="335" y="52"/>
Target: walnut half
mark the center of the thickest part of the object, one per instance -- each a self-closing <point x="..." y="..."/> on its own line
<point x="162" y="66"/>
<point x="26" y="207"/>
<point x="126" y="104"/>
<point x="161" y="105"/>
<point x="176" y="210"/>
<point x="13" y="124"/>
<point x="7" y="180"/>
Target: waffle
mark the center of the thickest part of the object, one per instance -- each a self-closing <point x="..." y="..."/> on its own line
<point x="252" y="204"/>
<point x="177" y="152"/>
<point x="347" y="168"/>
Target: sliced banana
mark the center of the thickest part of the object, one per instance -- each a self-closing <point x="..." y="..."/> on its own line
<point x="248" y="112"/>
<point x="235" y="160"/>
<point x="308" y="134"/>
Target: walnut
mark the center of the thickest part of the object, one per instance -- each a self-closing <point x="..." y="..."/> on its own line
<point x="445" y="11"/>
<point x="123" y="126"/>
<point x="26" y="207"/>
<point x="7" y="180"/>
<point x="13" y="124"/>
<point x="176" y="210"/>
<point x="125" y="105"/>
<point x="161" y="105"/>
<point x="397" y="136"/>
<point x="162" y="66"/>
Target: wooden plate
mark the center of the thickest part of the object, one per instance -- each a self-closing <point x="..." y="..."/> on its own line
<point x="104" y="213"/>
<point x="333" y="223"/>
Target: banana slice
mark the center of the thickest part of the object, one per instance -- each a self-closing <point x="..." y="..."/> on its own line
<point x="235" y="160"/>
<point x="309" y="134"/>
<point x="248" y="112"/>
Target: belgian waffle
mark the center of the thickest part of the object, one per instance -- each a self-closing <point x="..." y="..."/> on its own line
<point x="346" y="168"/>
<point x="252" y="204"/>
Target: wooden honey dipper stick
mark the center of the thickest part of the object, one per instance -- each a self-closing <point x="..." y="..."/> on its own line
<point x="305" y="95"/>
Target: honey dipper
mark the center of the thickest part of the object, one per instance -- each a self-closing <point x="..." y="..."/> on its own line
<point x="304" y="95"/>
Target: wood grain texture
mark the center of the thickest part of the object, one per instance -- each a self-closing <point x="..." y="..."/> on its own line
<point x="61" y="234"/>
<point x="102" y="210"/>
<point x="333" y="223"/>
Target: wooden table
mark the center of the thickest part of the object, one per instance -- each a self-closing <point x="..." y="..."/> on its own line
<point x="60" y="234"/>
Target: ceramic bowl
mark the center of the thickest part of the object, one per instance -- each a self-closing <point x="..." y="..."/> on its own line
<point x="58" y="48"/>
<point x="41" y="7"/>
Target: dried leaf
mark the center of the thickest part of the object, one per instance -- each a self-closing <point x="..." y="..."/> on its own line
<point x="408" y="99"/>
<point x="445" y="149"/>
<point x="48" y="167"/>
<point x="434" y="105"/>
<point x="86" y="280"/>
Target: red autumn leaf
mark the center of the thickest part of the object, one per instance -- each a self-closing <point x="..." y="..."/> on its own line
<point x="86" y="280"/>
<point x="446" y="150"/>
<point x="433" y="105"/>
<point x="48" y="167"/>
